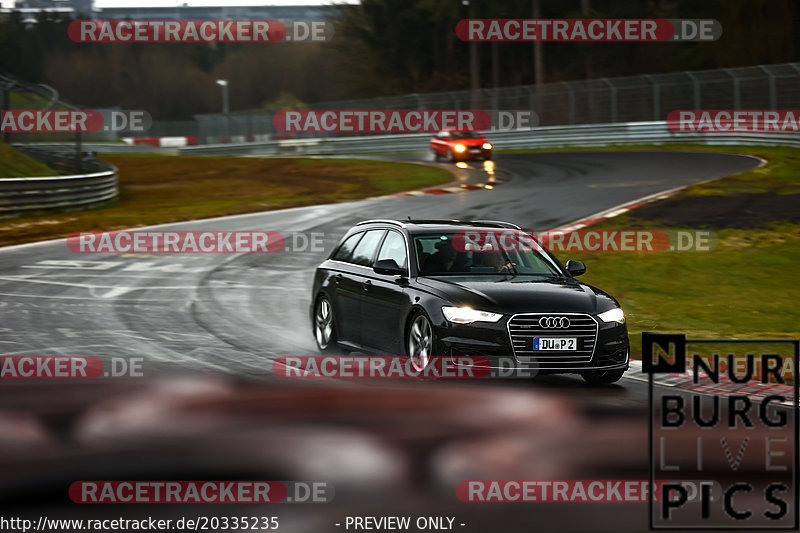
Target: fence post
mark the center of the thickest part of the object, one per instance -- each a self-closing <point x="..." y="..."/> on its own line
<point x="456" y="101"/>
<point x="695" y="88"/>
<point x="737" y="97"/>
<point x="773" y="103"/>
<point x="78" y="152"/>
<point x="656" y="97"/>
<point x="613" y="97"/>
<point x="6" y="107"/>
<point x="532" y="95"/>
<point x="571" y="102"/>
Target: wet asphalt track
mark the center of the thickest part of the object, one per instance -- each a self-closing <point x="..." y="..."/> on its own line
<point x="237" y="312"/>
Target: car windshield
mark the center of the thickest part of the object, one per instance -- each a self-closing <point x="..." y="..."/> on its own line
<point x="482" y="253"/>
<point x="464" y="135"/>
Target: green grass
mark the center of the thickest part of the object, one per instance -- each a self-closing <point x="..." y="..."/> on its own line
<point x="157" y="189"/>
<point x="745" y="287"/>
<point x="14" y="164"/>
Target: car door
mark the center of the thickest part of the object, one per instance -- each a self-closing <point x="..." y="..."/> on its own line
<point x="439" y="143"/>
<point x="351" y="286"/>
<point x="383" y="303"/>
<point x="346" y="290"/>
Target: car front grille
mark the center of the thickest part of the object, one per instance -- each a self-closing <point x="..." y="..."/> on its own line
<point x="523" y="328"/>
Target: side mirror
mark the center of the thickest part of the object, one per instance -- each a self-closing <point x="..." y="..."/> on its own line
<point x="388" y="267"/>
<point x="575" y="268"/>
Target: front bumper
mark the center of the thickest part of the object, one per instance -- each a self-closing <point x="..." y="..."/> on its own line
<point x="492" y="343"/>
<point x="473" y="153"/>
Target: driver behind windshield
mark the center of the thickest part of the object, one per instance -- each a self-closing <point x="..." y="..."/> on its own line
<point x="498" y="261"/>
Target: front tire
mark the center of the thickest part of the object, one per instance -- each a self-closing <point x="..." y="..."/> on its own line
<point x="602" y="377"/>
<point x="324" y="328"/>
<point x="420" y="341"/>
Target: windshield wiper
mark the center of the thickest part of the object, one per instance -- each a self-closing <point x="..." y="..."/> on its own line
<point x="510" y="264"/>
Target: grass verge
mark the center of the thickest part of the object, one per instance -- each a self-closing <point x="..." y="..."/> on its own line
<point x="745" y="287"/>
<point x="15" y="164"/>
<point x="157" y="189"/>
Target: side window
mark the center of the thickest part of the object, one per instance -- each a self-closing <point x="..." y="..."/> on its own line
<point x="394" y="247"/>
<point x="365" y="250"/>
<point x="344" y="251"/>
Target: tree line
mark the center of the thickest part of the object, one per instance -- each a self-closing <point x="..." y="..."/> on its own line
<point x="382" y="48"/>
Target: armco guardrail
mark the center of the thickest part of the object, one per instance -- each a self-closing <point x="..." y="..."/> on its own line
<point x="97" y="148"/>
<point x="57" y="193"/>
<point x="590" y="135"/>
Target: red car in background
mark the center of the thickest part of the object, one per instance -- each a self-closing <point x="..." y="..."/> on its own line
<point x="455" y="145"/>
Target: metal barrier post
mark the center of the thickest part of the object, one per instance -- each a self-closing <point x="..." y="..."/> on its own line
<point x="773" y="100"/>
<point x="656" y="96"/>
<point x="737" y="97"/>
<point x="695" y="88"/>
<point x="613" y="97"/>
<point x="570" y="102"/>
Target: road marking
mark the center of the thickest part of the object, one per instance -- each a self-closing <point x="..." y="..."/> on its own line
<point x="75" y="264"/>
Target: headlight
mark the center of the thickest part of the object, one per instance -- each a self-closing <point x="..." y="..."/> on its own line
<point x="487" y="146"/>
<point x="613" y="315"/>
<point x="459" y="148"/>
<point x="465" y="315"/>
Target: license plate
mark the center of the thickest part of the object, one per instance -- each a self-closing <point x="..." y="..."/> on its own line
<point x="475" y="151"/>
<point x="555" y="344"/>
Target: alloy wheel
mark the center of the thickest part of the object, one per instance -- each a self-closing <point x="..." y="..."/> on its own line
<point x="420" y="342"/>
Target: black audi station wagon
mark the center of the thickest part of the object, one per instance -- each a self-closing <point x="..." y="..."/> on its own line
<point x="423" y="288"/>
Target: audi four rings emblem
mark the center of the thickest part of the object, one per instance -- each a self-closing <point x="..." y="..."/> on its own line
<point x="554" y="322"/>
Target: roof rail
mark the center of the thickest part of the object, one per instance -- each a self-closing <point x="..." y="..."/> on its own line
<point x="492" y="223"/>
<point x="382" y="221"/>
<point x="433" y="221"/>
<point x="497" y="223"/>
<point x="403" y="223"/>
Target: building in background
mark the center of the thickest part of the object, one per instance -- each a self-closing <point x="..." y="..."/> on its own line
<point x="31" y="8"/>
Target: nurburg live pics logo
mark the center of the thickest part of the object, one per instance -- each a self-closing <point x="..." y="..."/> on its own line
<point x="727" y="421"/>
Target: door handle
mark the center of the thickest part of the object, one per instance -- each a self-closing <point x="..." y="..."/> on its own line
<point x="337" y="278"/>
<point x="366" y="285"/>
